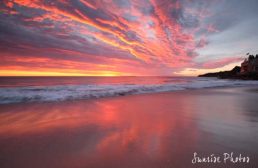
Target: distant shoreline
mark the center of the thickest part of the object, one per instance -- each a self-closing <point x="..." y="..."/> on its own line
<point x="232" y="74"/>
<point x="247" y="71"/>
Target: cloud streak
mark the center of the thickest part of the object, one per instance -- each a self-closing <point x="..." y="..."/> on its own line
<point x="129" y="37"/>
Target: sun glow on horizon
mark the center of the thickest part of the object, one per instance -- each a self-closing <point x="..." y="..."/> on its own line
<point x="187" y="72"/>
<point x="49" y="73"/>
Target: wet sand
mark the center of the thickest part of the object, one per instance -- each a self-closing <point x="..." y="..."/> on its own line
<point x="139" y="131"/>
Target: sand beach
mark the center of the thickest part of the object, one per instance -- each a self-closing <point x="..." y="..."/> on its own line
<point x="134" y="131"/>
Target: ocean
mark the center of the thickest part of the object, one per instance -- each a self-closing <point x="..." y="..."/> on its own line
<point x="47" y="89"/>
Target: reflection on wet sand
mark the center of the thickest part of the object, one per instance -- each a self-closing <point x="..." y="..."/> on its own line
<point x="159" y="130"/>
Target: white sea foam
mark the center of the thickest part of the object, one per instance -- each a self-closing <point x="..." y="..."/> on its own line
<point x="74" y="92"/>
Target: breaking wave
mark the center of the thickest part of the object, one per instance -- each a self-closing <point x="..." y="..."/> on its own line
<point x="74" y="92"/>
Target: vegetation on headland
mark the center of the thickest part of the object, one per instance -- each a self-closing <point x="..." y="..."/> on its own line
<point x="247" y="71"/>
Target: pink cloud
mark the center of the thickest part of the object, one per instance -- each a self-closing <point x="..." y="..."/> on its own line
<point x="221" y="62"/>
<point x="149" y="34"/>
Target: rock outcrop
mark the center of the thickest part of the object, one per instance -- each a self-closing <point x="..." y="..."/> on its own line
<point x="223" y="74"/>
<point x="247" y="71"/>
<point x="232" y="74"/>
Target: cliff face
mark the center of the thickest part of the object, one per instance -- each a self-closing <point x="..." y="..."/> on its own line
<point x="233" y="74"/>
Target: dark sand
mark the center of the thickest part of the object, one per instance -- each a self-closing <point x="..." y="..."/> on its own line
<point x="140" y="131"/>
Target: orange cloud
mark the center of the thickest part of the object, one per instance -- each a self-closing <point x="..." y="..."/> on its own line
<point x="143" y="37"/>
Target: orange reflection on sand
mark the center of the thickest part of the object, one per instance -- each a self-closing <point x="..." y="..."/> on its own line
<point x="161" y="130"/>
<point x="40" y="118"/>
<point x="134" y="122"/>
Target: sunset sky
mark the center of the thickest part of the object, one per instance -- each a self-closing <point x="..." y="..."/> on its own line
<point x="125" y="37"/>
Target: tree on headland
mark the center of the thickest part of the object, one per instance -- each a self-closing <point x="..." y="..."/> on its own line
<point x="251" y="57"/>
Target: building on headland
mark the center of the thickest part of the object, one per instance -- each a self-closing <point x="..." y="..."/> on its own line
<point x="250" y="65"/>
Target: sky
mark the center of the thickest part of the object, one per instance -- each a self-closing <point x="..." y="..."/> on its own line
<point x="125" y="37"/>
